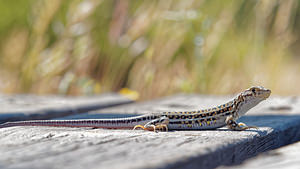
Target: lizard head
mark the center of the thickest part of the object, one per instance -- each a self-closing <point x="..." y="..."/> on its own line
<point x="250" y="98"/>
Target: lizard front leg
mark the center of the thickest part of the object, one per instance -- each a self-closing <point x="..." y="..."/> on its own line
<point x="233" y="125"/>
<point x="156" y="124"/>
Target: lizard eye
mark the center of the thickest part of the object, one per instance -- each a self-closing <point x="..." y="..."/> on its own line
<point x="253" y="90"/>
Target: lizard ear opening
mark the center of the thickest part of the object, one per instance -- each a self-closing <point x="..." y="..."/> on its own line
<point x="253" y="90"/>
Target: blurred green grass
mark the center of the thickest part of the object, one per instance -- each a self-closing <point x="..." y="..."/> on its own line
<point x="155" y="48"/>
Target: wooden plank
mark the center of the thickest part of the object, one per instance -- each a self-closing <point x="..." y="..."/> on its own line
<point x="25" y="107"/>
<point x="56" y="147"/>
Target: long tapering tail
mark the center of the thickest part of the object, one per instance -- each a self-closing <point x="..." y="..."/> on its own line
<point x="66" y="123"/>
<point x="4" y="125"/>
<point x="123" y="123"/>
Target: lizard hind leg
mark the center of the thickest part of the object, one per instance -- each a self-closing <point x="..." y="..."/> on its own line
<point x="156" y="124"/>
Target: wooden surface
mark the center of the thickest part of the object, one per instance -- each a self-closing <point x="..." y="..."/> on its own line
<point x="25" y="107"/>
<point x="56" y="147"/>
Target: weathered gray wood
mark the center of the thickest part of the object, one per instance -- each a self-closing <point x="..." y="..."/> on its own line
<point x="25" y="107"/>
<point x="52" y="147"/>
<point x="287" y="157"/>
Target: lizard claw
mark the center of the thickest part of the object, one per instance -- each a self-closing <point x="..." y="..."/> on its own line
<point x="243" y="126"/>
<point x="148" y="128"/>
<point x="139" y="126"/>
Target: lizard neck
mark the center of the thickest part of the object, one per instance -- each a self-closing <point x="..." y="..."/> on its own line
<point x="241" y="106"/>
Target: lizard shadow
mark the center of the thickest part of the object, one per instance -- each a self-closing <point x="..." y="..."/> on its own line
<point x="271" y="121"/>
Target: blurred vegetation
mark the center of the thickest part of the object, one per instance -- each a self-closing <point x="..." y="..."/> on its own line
<point x="155" y="48"/>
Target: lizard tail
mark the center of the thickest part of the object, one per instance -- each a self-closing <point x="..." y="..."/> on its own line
<point x="28" y="123"/>
<point x="7" y="124"/>
<point x="62" y="123"/>
<point x="12" y="124"/>
<point x="98" y="123"/>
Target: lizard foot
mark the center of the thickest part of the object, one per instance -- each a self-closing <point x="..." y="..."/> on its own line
<point x="154" y="128"/>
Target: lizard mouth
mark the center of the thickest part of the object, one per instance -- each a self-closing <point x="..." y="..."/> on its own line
<point x="265" y="94"/>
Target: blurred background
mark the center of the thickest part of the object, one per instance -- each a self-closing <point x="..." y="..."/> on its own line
<point x="149" y="49"/>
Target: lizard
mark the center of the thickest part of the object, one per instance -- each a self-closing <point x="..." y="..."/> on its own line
<point x="211" y="118"/>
